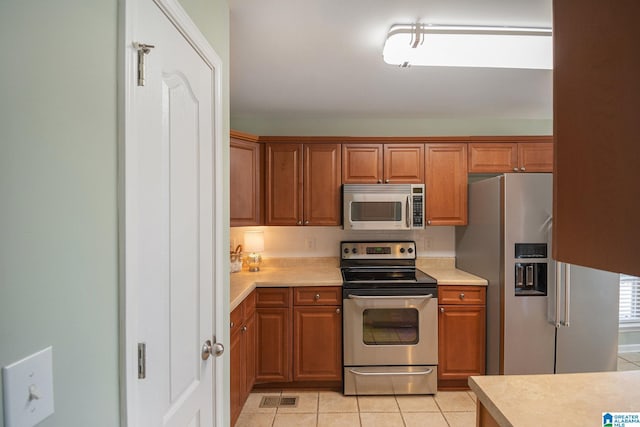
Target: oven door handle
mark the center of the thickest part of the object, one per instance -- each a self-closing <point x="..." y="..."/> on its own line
<point x="392" y="297"/>
<point x="371" y="374"/>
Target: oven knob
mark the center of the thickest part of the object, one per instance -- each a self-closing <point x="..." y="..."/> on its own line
<point x="410" y="250"/>
<point x="346" y="250"/>
<point x="401" y="250"/>
<point x="354" y="250"/>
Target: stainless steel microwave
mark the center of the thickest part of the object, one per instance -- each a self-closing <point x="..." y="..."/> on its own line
<point x="383" y="206"/>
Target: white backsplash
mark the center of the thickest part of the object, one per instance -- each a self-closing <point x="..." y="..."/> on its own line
<point x="325" y="241"/>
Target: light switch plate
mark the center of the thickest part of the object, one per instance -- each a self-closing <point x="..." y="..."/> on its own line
<point x="28" y="389"/>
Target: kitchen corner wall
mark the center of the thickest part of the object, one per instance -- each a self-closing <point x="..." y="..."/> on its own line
<point x="283" y="242"/>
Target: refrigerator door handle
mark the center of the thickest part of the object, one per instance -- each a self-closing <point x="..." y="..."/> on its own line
<point x="567" y="294"/>
<point x="556" y="319"/>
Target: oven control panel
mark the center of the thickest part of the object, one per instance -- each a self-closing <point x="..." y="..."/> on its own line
<point x="378" y="250"/>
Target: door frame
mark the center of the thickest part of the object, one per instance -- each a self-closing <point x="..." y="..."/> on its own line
<point x="127" y="303"/>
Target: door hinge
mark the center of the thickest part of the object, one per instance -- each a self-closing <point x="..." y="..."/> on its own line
<point x="143" y="49"/>
<point x="142" y="360"/>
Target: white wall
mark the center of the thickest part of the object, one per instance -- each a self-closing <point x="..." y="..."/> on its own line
<point x="325" y="241"/>
<point x="389" y="126"/>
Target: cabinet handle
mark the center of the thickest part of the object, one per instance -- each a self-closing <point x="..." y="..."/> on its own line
<point x="232" y="325"/>
<point x="244" y="329"/>
<point x="441" y="309"/>
<point x="337" y="311"/>
<point x="515" y="169"/>
<point x="317" y="297"/>
<point x="522" y="169"/>
<point x="461" y="296"/>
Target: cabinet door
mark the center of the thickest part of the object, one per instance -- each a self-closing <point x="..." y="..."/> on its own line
<point x="362" y="163"/>
<point x="446" y="184"/>
<point x="322" y="174"/>
<point x="493" y="157"/>
<point x="317" y="337"/>
<point x="596" y="127"/>
<point x="273" y="343"/>
<point x="245" y="191"/>
<point x="283" y="184"/>
<point x="403" y="163"/>
<point x="236" y="375"/>
<point x="249" y="332"/>
<point x="461" y="345"/>
<point x="535" y="157"/>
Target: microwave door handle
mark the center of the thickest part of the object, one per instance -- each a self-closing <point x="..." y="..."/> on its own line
<point x="409" y="212"/>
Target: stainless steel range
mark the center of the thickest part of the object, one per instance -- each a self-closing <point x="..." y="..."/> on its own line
<point x="390" y="328"/>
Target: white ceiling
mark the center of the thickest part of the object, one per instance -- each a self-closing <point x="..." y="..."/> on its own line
<point x="323" y="58"/>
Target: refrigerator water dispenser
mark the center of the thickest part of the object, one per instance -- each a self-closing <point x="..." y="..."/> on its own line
<point x="530" y="272"/>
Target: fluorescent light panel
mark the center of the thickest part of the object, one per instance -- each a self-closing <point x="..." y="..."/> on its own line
<point x="469" y="46"/>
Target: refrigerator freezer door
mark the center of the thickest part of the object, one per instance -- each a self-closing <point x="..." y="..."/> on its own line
<point x="528" y="337"/>
<point x="590" y="343"/>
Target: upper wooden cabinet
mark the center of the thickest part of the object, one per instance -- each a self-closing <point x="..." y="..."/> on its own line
<point x="303" y="184"/>
<point x="596" y="126"/>
<point x="382" y="163"/>
<point x="446" y="184"/>
<point x="502" y="157"/>
<point x="245" y="179"/>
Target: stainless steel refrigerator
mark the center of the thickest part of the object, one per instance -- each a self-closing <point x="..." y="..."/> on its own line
<point x="536" y="322"/>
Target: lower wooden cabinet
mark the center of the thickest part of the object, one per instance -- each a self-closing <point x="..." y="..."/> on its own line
<point x="461" y="335"/>
<point x="300" y="340"/>
<point x="242" y="354"/>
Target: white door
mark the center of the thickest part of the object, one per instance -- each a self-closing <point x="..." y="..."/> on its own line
<point x="170" y="187"/>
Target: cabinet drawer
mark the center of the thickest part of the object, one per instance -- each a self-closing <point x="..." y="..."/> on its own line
<point x="236" y="318"/>
<point x="467" y="295"/>
<point x="272" y="297"/>
<point x="317" y="295"/>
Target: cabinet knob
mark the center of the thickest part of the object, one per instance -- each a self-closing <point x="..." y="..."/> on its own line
<point x="515" y="169"/>
<point x="386" y="181"/>
<point x="522" y="169"/>
<point x="306" y="222"/>
<point x="299" y="223"/>
<point x="428" y="222"/>
<point x="232" y="325"/>
<point x="441" y="309"/>
<point x="317" y="297"/>
<point x="244" y="329"/>
<point x="461" y="296"/>
<point x="379" y="181"/>
<point x="337" y="311"/>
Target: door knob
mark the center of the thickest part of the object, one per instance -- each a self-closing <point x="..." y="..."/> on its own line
<point x="208" y="349"/>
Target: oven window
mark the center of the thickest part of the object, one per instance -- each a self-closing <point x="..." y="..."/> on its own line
<point x="390" y="326"/>
<point x="376" y="211"/>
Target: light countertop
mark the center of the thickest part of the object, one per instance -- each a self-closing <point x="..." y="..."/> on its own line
<point x="563" y="399"/>
<point x="326" y="272"/>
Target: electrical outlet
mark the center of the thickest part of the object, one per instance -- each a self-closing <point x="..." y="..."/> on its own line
<point x="428" y="242"/>
<point x="28" y="389"/>
<point x="309" y="243"/>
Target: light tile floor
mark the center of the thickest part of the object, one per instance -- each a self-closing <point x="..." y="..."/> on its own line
<point x="629" y="361"/>
<point x="331" y="409"/>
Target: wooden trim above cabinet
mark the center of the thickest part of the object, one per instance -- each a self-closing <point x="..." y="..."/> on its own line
<point x="244" y="136"/>
<point x="403" y="139"/>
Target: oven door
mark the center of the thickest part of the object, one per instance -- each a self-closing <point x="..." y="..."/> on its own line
<point x="392" y="327"/>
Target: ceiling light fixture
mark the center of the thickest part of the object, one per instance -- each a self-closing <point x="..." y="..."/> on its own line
<point x="469" y="46"/>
